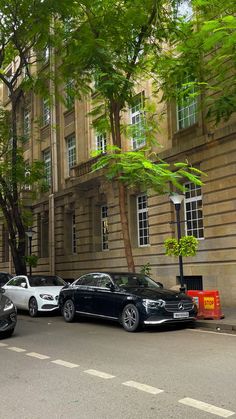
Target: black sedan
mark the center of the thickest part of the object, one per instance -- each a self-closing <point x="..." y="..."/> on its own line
<point x="132" y="299"/>
<point x="7" y="315"/>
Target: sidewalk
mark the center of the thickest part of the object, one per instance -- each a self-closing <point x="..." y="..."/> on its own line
<point x="228" y="323"/>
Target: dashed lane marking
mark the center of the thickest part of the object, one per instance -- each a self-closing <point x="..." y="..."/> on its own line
<point x="218" y="411"/>
<point x="36" y="355"/>
<point x="99" y="374"/>
<point x="13" y="348"/>
<point x="64" y="363"/>
<point x="3" y="344"/>
<point x="143" y="387"/>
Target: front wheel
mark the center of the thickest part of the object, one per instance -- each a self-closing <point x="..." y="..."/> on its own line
<point x="130" y="318"/>
<point x="68" y="311"/>
<point x="33" y="307"/>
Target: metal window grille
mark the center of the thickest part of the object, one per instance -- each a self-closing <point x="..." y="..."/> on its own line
<point x="47" y="163"/>
<point x="142" y="220"/>
<point x="136" y="121"/>
<point x="46" y="111"/>
<point x="104" y="227"/>
<point x="187" y="108"/>
<point x="193" y="211"/>
<point x="70" y="94"/>
<point x="101" y="142"/>
<point x="73" y="226"/>
<point x="26" y="123"/>
<point x="71" y="152"/>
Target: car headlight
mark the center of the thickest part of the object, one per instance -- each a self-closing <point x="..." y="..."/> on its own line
<point x="149" y="304"/>
<point x="47" y="297"/>
<point x="8" y="305"/>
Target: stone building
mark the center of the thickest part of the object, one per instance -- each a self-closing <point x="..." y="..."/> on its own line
<point x="76" y="225"/>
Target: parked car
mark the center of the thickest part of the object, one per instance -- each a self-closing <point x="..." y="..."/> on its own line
<point x="4" y="278"/>
<point x="132" y="299"/>
<point x="36" y="293"/>
<point x="8" y="315"/>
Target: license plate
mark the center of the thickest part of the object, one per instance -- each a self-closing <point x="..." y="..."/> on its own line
<point x="181" y="315"/>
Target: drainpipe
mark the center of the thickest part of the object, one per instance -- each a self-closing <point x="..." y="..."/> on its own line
<point x="54" y="185"/>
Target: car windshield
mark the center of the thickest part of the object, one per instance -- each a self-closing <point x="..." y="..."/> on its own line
<point x="134" y="281"/>
<point x="46" y="281"/>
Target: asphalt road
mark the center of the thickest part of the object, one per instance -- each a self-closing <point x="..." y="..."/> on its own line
<point x="96" y="370"/>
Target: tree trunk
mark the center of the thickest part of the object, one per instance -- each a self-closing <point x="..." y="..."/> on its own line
<point x="125" y="228"/>
<point x="115" y="109"/>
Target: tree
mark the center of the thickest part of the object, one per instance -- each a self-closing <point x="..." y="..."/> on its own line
<point x="24" y="29"/>
<point x="116" y="44"/>
<point x="203" y="60"/>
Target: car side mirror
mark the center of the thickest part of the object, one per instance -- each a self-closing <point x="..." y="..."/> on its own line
<point x="110" y="286"/>
<point x="160" y="284"/>
<point x="23" y="285"/>
<point x="2" y="290"/>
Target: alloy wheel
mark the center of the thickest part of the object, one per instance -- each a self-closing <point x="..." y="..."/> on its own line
<point x="130" y="318"/>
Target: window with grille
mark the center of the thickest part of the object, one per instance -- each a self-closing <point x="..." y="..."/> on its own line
<point x="104" y="227"/>
<point x="142" y="219"/>
<point x="46" y="111"/>
<point x="47" y="166"/>
<point x="71" y="152"/>
<point x="193" y="211"/>
<point x="73" y="233"/>
<point x="137" y="122"/>
<point x="187" y="107"/>
<point x="101" y="142"/>
<point x="26" y="124"/>
<point x="70" y="97"/>
<point x="46" y="54"/>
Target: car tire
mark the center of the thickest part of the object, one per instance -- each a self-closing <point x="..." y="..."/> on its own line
<point x="6" y="334"/>
<point x="68" y="311"/>
<point x="130" y="318"/>
<point x="33" y="307"/>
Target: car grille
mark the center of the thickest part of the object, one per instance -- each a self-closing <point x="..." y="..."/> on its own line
<point x="173" y="306"/>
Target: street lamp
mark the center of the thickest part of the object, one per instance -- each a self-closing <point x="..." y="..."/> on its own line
<point x="177" y="199"/>
<point x="29" y="233"/>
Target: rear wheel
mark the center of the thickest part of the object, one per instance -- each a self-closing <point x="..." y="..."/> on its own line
<point x="130" y="318"/>
<point x="33" y="307"/>
<point x="68" y="311"/>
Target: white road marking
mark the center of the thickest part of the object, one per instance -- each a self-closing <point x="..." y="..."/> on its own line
<point x="13" y="348"/>
<point x="36" y="355"/>
<point x="213" y="332"/>
<point x="3" y="344"/>
<point x="64" y="363"/>
<point x="218" y="411"/>
<point x="143" y="387"/>
<point x="99" y="374"/>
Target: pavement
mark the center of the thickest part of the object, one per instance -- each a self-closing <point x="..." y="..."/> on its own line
<point x="228" y="323"/>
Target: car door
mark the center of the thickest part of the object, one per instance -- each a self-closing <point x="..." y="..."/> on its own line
<point x="83" y="293"/>
<point x="13" y="289"/>
<point x="106" y="299"/>
<point x="22" y="292"/>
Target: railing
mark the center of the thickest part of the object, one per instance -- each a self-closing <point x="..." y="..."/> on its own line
<point x="83" y="168"/>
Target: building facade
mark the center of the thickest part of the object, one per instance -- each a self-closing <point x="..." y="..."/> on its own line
<point x="76" y="224"/>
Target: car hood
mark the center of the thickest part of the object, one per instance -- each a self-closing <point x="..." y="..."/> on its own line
<point x="156" y="294"/>
<point x="54" y="290"/>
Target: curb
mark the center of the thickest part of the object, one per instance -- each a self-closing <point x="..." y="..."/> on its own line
<point x="216" y="325"/>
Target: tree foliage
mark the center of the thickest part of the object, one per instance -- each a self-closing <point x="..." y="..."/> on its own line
<point x="204" y="53"/>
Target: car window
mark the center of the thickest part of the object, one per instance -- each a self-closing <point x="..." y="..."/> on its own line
<point x="89" y="280"/>
<point x="103" y="280"/>
<point x="46" y="281"/>
<point x="16" y="281"/>
<point x="134" y="281"/>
